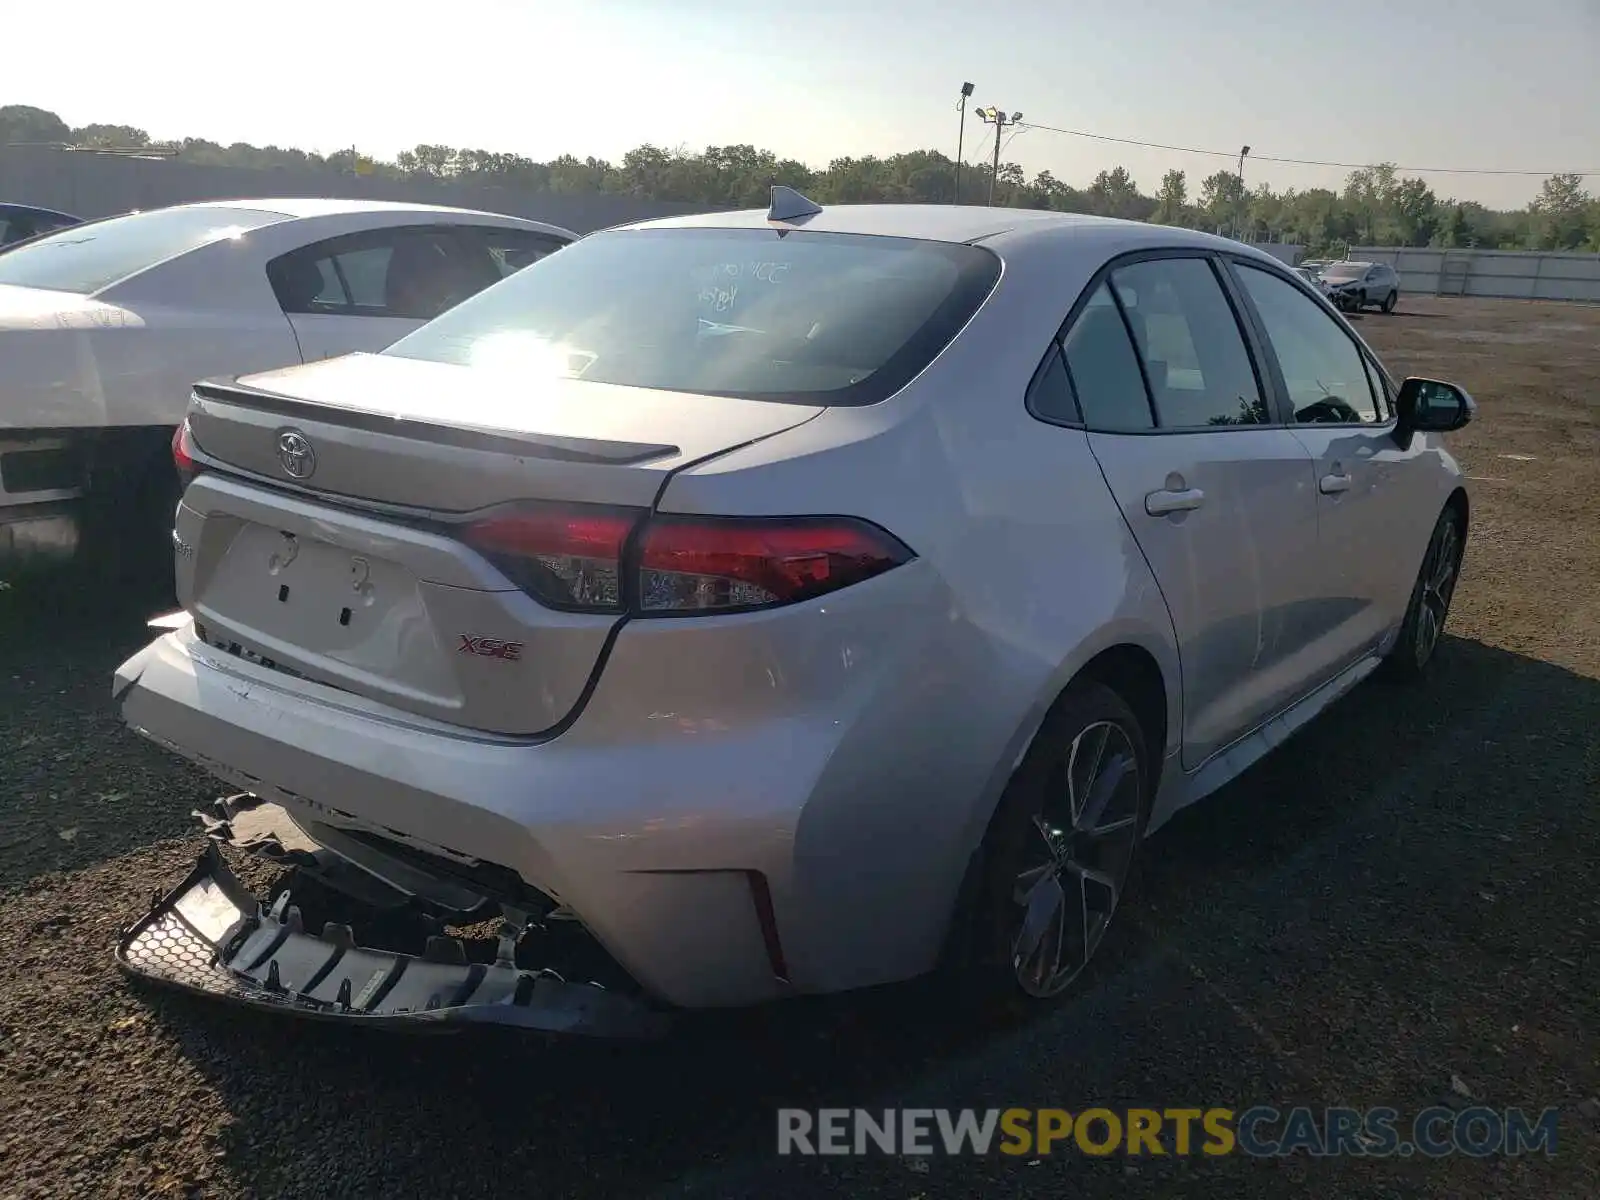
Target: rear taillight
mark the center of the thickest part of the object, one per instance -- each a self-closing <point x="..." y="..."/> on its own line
<point x="568" y="558"/>
<point x="706" y="564"/>
<point x="183" y="453"/>
<point x="590" y="560"/>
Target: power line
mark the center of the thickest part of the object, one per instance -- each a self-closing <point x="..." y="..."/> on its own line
<point x="1298" y="162"/>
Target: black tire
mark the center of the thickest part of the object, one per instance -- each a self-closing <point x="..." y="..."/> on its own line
<point x="1021" y="903"/>
<point x="1389" y="301"/>
<point x="1431" y="595"/>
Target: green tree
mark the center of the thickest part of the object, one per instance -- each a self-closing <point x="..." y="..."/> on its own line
<point x="1416" y="212"/>
<point x="1222" y="199"/>
<point x="1114" y="194"/>
<point x="1172" y="199"/>
<point x="1458" y="232"/>
<point x="20" y="123"/>
<point x="1376" y="205"/>
<point x="1560" y="213"/>
<point x="110" y="135"/>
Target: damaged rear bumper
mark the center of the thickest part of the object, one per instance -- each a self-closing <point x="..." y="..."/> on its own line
<point x="210" y="936"/>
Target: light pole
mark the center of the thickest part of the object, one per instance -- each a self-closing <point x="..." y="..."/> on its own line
<point x="961" y="138"/>
<point x="1001" y="122"/>
<point x="1244" y="202"/>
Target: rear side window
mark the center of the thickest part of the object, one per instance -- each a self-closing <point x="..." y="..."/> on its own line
<point x="512" y="249"/>
<point x="815" y="318"/>
<point x="1050" y="393"/>
<point x="409" y="272"/>
<point x="1105" y="371"/>
<point x="14" y="229"/>
<point x="85" y="258"/>
<point x="1194" y="356"/>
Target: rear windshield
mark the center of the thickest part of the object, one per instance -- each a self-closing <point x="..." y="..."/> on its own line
<point x="816" y="318"/>
<point x="86" y="258"/>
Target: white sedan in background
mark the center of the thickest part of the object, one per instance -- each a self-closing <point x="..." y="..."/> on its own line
<point x="104" y="327"/>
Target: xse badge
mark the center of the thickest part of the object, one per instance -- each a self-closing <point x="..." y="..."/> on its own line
<point x="490" y="648"/>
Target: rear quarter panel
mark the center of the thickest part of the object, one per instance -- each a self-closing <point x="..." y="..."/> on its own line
<point x="1037" y="571"/>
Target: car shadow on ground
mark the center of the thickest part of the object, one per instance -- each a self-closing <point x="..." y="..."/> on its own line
<point x="77" y="787"/>
<point x="1395" y="789"/>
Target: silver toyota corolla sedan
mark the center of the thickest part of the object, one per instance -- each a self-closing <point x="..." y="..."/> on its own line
<point x="737" y="606"/>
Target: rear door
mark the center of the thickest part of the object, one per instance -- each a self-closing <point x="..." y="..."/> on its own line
<point x="365" y="291"/>
<point x="1217" y="493"/>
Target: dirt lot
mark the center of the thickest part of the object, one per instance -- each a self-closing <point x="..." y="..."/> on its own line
<point x="1406" y="893"/>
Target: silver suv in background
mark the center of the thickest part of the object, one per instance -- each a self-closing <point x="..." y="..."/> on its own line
<point x="1355" y="285"/>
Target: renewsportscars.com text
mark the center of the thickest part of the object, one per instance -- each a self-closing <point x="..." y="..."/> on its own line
<point x="1259" y="1131"/>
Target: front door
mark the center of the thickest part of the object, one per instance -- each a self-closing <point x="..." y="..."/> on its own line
<point x="1342" y="417"/>
<point x="1220" y="499"/>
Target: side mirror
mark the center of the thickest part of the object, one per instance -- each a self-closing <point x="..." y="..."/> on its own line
<point x="1431" y="406"/>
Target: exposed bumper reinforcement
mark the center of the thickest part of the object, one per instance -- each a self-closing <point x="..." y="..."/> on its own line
<point x="210" y="936"/>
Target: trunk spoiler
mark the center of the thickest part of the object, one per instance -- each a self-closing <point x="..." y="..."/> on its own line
<point x="527" y="445"/>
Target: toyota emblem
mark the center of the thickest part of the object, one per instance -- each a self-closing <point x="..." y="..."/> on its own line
<point x="295" y="453"/>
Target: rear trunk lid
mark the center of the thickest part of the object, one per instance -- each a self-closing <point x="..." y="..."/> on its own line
<point x="448" y="438"/>
<point x="323" y="538"/>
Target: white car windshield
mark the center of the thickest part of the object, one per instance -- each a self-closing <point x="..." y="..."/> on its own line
<point x="86" y="258"/>
<point x="817" y="318"/>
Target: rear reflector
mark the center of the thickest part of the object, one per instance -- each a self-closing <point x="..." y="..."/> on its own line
<point x="589" y="560"/>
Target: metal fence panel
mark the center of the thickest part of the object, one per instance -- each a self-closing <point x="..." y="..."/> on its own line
<point x="1510" y="274"/>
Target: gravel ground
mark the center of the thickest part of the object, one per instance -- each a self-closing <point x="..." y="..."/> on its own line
<point x="1404" y="894"/>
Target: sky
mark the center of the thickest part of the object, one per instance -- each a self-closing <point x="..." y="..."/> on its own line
<point x="1422" y="83"/>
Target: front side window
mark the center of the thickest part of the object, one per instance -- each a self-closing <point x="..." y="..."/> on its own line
<point x="816" y="318"/>
<point x="1195" y="359"/>
<point x="1380" y="390"/>
<point x="1324" y="370"/>
<point x="86" y="258"/>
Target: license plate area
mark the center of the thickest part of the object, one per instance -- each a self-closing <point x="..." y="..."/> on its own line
<point x="309" y="603"/>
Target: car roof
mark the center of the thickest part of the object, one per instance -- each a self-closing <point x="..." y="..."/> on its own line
<point x="1004" y="228"/>
<point x="314" y="206"/>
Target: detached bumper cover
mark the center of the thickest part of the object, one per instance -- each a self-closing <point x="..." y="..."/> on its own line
<point x="211" y="937"/>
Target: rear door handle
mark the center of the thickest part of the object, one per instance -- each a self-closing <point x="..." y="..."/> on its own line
<point x="1159" y="504"/>
<point x="1329" y="484"/>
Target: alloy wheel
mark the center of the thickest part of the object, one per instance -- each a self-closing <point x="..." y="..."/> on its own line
<point x="1077" y="864"/>
<point x="1438" y="587"/>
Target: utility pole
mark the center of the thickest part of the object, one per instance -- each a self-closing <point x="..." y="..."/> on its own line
<point x="1244" y="196"/>
<point x="961" y="138"/>
<point x="1001" y="122"/>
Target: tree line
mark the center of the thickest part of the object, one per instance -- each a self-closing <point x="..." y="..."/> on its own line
<point x="1376" y="207"/>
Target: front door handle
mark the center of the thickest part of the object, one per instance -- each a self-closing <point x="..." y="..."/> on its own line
<point x="1329" y="484"/>
<point x="1159" y="504"/>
